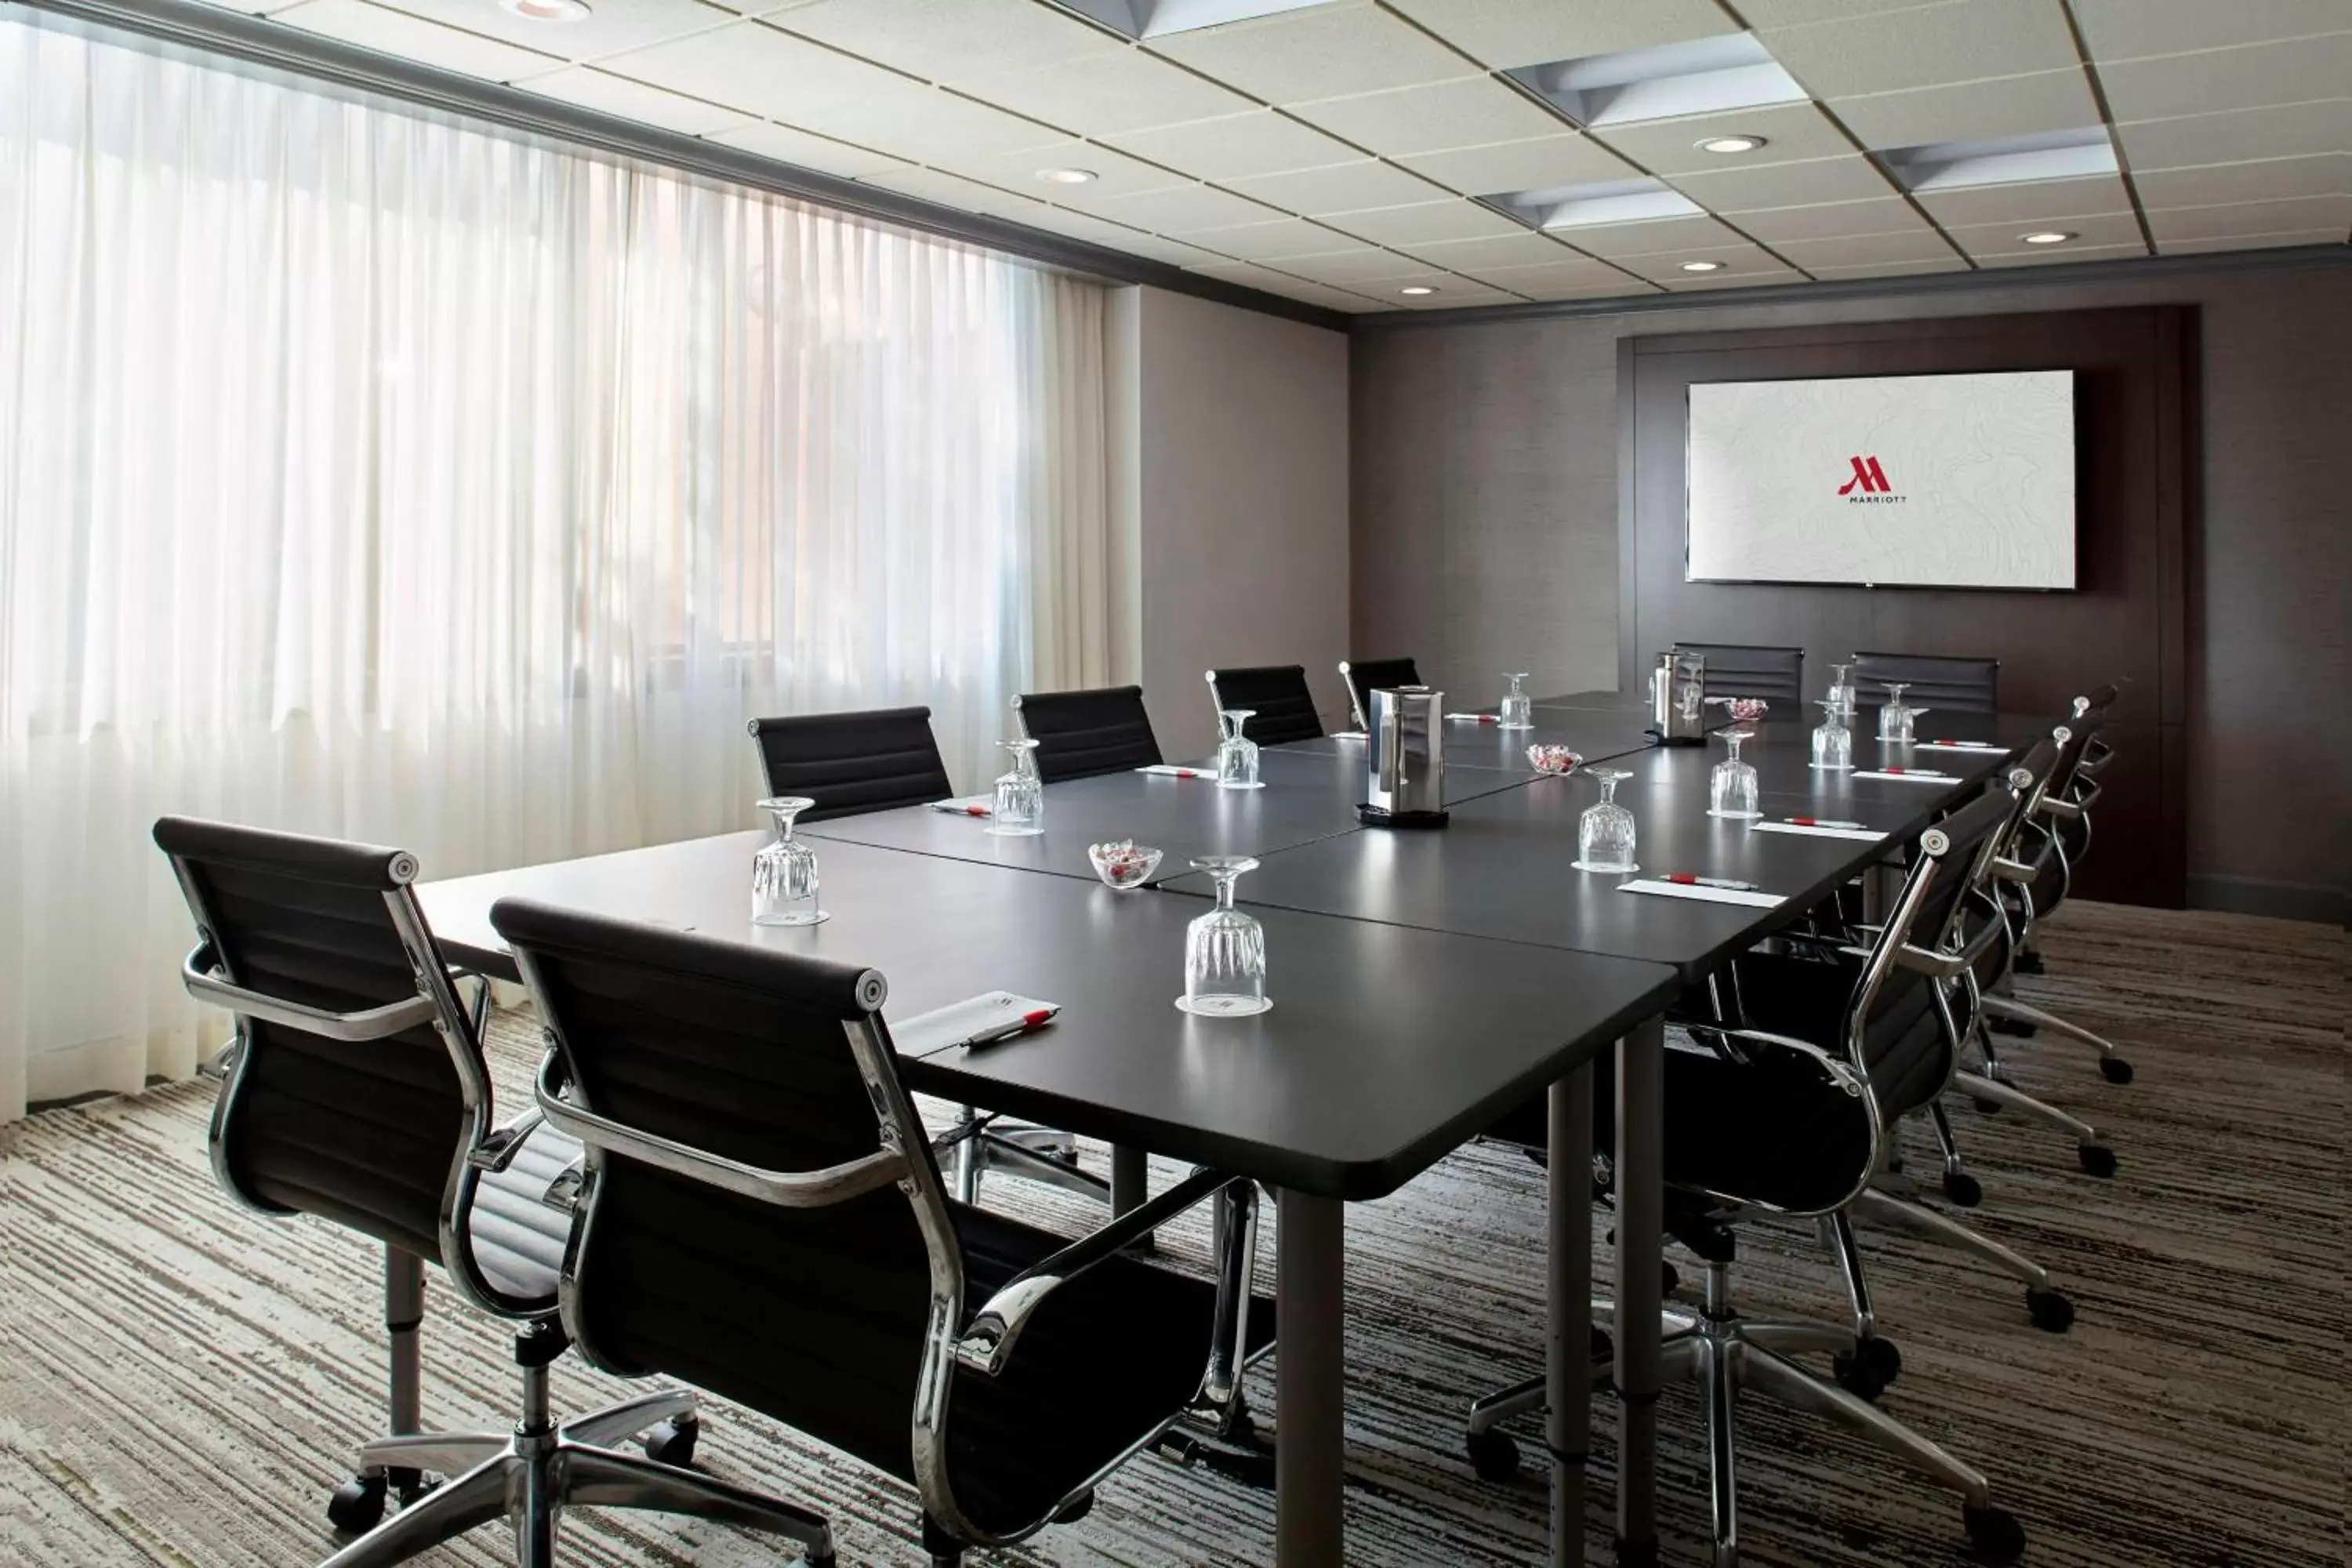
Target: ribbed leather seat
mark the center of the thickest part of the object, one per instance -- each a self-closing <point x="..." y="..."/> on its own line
<point x="1281" y="705"/>
<point x="1741" y="669"/>
<point x="1945" y="685"/>
<point x="853" y="762"/>
<point x="1082" y="734"/>
<point x="1365" y="676"/>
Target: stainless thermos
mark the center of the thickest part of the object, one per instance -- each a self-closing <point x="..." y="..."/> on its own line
<point x="1678" y="700"/>
<point x="1405" y="746"/>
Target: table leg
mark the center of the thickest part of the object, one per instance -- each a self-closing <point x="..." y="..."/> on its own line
<point x="1129" y="1186"/>
<point x="1310" y="1439"/>
<point x="1640" y="1220"/>
<point x="1568" y="1430"/>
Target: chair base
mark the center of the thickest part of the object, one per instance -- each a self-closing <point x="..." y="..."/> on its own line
<point x="529" y="1475"/>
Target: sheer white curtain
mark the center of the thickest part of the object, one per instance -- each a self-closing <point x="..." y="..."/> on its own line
<point x="368" y="474"/>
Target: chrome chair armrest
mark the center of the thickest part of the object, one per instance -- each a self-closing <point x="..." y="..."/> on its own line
<point x="2009" y="871"/>
<point x="2065" y="810"/>
<point x="1840" y="1071"/>
<point x="198" y="973"/>
<point x="498" y="1149"/>
<point x="1837" y="945"/>
<point x="222" y="1064"/>
<point x="1933" y="961"/>
<point x="986" y="1345"/>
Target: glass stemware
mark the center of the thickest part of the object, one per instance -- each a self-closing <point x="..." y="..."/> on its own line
<point x="1518" y="710"/>
<point x="1731" y="787"/>
<point x="1236" y="756"/>
<point x="1834" y="742"/>
<point x="1841" y="692"/>
<point x="1604" y="834"/>
<point x="784" y="873"/>
<point x="1895" y="719"/>
<point x="1224" y="950"/>
<point x="1019" y="808"/>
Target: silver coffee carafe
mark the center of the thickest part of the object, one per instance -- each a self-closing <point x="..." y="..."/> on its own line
<point x="1405" y="746"/>
<point x="1678" y="700"/>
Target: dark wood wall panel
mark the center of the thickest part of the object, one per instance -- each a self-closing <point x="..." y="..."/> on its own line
<point x="2135" y="433"/>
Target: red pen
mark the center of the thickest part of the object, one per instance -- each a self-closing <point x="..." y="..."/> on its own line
<point x="1824" y="822"/>
<point x="1685" y="880"/>
<point x="1031" y="1020"/>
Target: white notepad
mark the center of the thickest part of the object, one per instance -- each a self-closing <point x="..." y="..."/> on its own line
<point x="962" y="1023"/>
<point x="967" y="805"/>
<point x="1708" y="895"/>
<point x="1350" y="735"/>
<point x="1805" y="831"/>
<point x="1169" y="770"/>
<point x="1474" y="718"/>
<point x="1908" y="777"/>
<point x="1955" y="746"/>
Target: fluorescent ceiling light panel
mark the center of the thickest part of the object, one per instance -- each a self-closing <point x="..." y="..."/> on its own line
<point x="1705" y="76"/>
<point x="1582" y="207"/>
<point x="1142" y="19"/>
<point x="2004" y="161"/>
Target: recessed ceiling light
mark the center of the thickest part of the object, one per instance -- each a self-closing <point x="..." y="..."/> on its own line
<point x="1416" y="289"/>
<point x="1056" y="176"/>
<point x="546" y="10"/>
<point x="1702" y="266"/>
<point x="1731" y="144"/>
<point x="2046" y="237"/>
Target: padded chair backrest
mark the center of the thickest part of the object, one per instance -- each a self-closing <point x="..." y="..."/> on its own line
<point x="1738" y="669"/>
<point x="815" y="1315"/>
<point x="853" y="762"/>
<point x="1947" y="685"/>
<point x="1365" y="676"/>
<point x="1277" y="697"/>
<point x="370" y="1134"/>
<point x="1082" y="734"/>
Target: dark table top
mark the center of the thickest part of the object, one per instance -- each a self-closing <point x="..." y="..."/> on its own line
<point x="1386" y="1047"/>
<point x="1781" y="753"/>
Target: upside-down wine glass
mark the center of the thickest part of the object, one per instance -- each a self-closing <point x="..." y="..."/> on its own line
<point x="1518" y="708"/>
<point x="1833" y="742"/>
<point x="1020" y="807"/>
<point x="784" y="873"/>
<point x="1236" y="755"/>
<point x="1840" y="691"/>
<point x="1604" y="834"/>
<point x="1731" y="787"/>
<point x="1224" y="950"/>
<point x="1896" y="720"/>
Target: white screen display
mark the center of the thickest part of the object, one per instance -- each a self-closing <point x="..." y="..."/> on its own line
<point x="1929" y="481"/>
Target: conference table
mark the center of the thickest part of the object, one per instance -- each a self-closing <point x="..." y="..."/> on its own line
<point x="1423" y="982"/>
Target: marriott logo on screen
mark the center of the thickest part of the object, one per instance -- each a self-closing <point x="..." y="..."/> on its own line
<point x="1870" y="479"/>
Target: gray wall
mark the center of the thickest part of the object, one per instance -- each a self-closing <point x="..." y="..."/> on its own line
<point x="1485" y="529"/>
<point x="1234" y="481"/>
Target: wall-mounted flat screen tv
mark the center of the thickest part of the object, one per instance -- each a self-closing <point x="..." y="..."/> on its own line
<point x="1946" y="481"/>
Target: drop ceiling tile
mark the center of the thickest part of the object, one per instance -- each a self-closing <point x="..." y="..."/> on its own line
<point x="1735" y="256"/>
<point x="1571" y="273"/>
<point x="1117" y="236"/>
<point x="1947" y="263"/>
<point x="1233" y="147"/>
<point x="1764" y="15"/>
<point x="1858" y="249"/>
<point x="253" y="7"/>
<point x="1625" y="288"/>
<point x="1852" y="178"/>
<point x="2127" y="29"/>
<point x="954" y="191"/>
<point x="1432" y="117"/>
<point x="1322" y="51"/>
<point x="2032" y="202"/>
<point x="2270" y="179"/>
<point x="1116" y="174"/>
<point x="1986" y="240"/>
<point x="1456" y="294"/>
<point x="1506" y="33"/>
<point x="1185" y="210"/>
<point x="1567" y="159"/>
<point x="1792" y="131"/>
<point x="608" y="29"/>
<point x="2253" y="76"/>
<point x="1424" y="222"/>
<point x="752" y="67"/>
<point x="2237" y="219"/>
<point x="1697" y="283"/>
<point x="1343" y="187"/>
<point x="1354" y="269"/>
<point x="1972" y="111"/>
<point x="1834" y="220"/>
<point x="2286" y="130"/>
<point x="1617" y="241"/>
<point x="411" y="37"/>
<point x="1927" y="46"/>
<point x="1267" y="281"/>
<point x="2064" y="253"/>
<point x="1128" y="91"/>
<point x="787" y="146"/>
<point x="2254" y="242"/>
<point x="947" y="40"/>
<point x="591" y="89"/>
<point x="1502" y="252"/>
<point x="1273" y="241"/>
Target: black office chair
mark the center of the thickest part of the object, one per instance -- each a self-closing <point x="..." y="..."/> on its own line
<point x="1739" y="669"/>
<point x="1365" y="676"/>
<point x="1082" y="734"/>
<point x="853" y="762"/>
<point x="761" y="1217"/>
<point x="1792" y="1120"/>
<point x="356" y="1090"/>
<point x="1277" y="696"/>
<point x="1936" y="682"/>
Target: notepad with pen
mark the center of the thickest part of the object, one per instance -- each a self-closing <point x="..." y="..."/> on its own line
<point x="975" y="1023"/>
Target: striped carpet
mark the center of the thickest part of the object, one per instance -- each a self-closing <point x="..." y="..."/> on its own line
<point x="179" y="1379"/>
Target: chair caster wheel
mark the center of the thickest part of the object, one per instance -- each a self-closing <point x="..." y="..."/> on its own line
<point x="1994" y="1534"/>
<point x="1988" y="1107"/>
<point x="2097" y="1159"/>
<point x="1963" y="1189"/>
<point x="357" y="1506"/>
<point x="1874" y="1364"/>
<point x="1494" y="1454"/>
<point x="2050" y="1310"/>
<point x="672" y="1442"/>
<point x="2116" y="1069"/>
